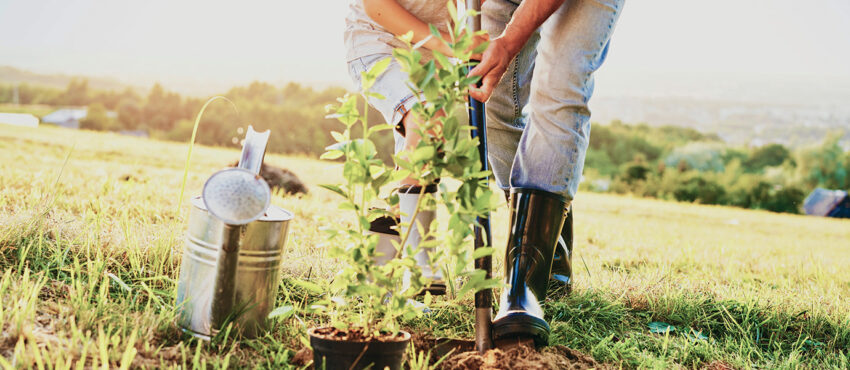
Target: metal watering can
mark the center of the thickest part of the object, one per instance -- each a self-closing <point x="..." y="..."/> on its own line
<point x="233" y="250"/>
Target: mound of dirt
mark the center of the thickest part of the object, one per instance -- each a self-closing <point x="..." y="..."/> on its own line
<point x="523" y="358"/>
<point x="303" y="357"/>
<point x="281" y="178"/>
<point x="519" y="357"/>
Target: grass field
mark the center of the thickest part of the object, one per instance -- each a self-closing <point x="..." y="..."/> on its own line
<point x="91" y="236"/>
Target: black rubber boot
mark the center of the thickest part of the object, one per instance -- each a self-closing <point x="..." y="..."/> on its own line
<point x="562" y="263"/>
<point x="562" y="267"/>
<point x="536" y="221"/>
<point x="386" y="228"/>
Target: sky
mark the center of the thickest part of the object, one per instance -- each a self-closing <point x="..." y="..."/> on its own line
<point x="660" y="46"/>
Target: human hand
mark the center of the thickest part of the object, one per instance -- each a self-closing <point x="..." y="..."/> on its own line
<point x="494" y="63"/>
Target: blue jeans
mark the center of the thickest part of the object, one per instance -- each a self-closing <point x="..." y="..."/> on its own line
<point x="538" y="121"/>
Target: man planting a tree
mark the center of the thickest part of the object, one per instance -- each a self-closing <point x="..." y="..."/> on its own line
<point x="538" y="152"/>
<point x="537" y="78"/>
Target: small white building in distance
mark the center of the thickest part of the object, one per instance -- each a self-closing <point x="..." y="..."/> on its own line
<point x="19" y="119"/>
<point x="66" y="117"/>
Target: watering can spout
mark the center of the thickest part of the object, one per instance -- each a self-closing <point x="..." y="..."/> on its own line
<point x="236" y="196"/>
<point x="254" y="150"/>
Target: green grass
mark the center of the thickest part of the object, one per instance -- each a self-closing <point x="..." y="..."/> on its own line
<point x="90" y="261"/>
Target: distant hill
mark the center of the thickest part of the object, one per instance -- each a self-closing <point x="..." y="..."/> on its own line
<point x="736" y="122"/>
<point x="12" y="75"/>
<point x="793" y="112"/>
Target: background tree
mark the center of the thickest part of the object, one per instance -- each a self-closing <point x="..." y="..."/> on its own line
<point x="97" y="118"/>
<point x="77" y="93"/>
<point x="767" y="156"/>
<point x="824" y="166"/>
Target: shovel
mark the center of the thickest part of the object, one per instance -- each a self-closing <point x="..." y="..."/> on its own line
<point x="483" y="238"/>
<point x="483" y="298"/>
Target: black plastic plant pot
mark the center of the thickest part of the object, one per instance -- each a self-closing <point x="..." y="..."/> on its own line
<point x="334" y="354"/>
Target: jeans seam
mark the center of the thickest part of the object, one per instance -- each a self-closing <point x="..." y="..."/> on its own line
<point x="515" y="89"/>
<point x="577" y="117"/>
<point x="599" y="51"/>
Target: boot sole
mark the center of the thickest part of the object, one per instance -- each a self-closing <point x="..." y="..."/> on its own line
<point x="435" y="288"/>
<point x="517" y="325"/>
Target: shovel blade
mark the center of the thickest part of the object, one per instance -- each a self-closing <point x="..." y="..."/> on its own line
<point x="446" y="346"/>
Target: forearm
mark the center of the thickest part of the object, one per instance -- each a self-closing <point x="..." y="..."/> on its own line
<point x="398" y="21"/>
<point x="526" y="19"/>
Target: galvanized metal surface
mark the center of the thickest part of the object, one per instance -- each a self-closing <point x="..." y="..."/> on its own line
<point x="257" y="276"/>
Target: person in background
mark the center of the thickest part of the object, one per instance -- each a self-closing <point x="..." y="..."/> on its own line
<point x="537" y="78"/>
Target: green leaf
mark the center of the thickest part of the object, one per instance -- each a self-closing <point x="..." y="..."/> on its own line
<point x="482" y="252"/>
<point x="307" y="285"/>
<point x="378" y="128"/>
<point x="407" y="37"/>
<point x="452" y="9"/>
<point x="470" y="80"/>
<point x="481" y="47"/>
<point x="422" y="153"/>
<point x="422" y="42"/>
<point x="338" y="137"/>
<point x="442" y="59"/>
<point x="431" y="70"/>
<point x="658" y="327"/>
<point x="334" y="188"/>
<point x="331" y="154"/>
<point x="369" y="77"/>
<point x="282" y="312"/>
<point x="375" y="95"/>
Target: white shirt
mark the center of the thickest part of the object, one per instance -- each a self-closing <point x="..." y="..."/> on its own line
<point x="363" y="36"/>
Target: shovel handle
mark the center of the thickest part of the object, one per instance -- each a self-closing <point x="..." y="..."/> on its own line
<point x="484" y="297"/>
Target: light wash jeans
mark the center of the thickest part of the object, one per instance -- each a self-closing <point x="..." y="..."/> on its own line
<point x="538" y="123"/>
<point x="393" y="85"/>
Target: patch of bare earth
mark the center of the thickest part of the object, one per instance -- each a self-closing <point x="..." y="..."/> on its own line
<point x="718" y="365"/>
<point x="522" y="358"/>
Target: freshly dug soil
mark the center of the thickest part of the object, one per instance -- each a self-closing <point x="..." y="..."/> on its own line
<point x="517" y="357"/>
<point x="523" y="358"/>
<point x="303" y="357"/>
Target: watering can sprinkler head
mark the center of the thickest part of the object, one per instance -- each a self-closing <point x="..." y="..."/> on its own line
<point x="237" y="196"/>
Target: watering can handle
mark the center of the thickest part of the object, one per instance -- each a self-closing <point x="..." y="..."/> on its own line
<point x="254" y="150"/>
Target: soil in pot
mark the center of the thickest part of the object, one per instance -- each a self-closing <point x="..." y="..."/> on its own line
<point x="351" y="349"/>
